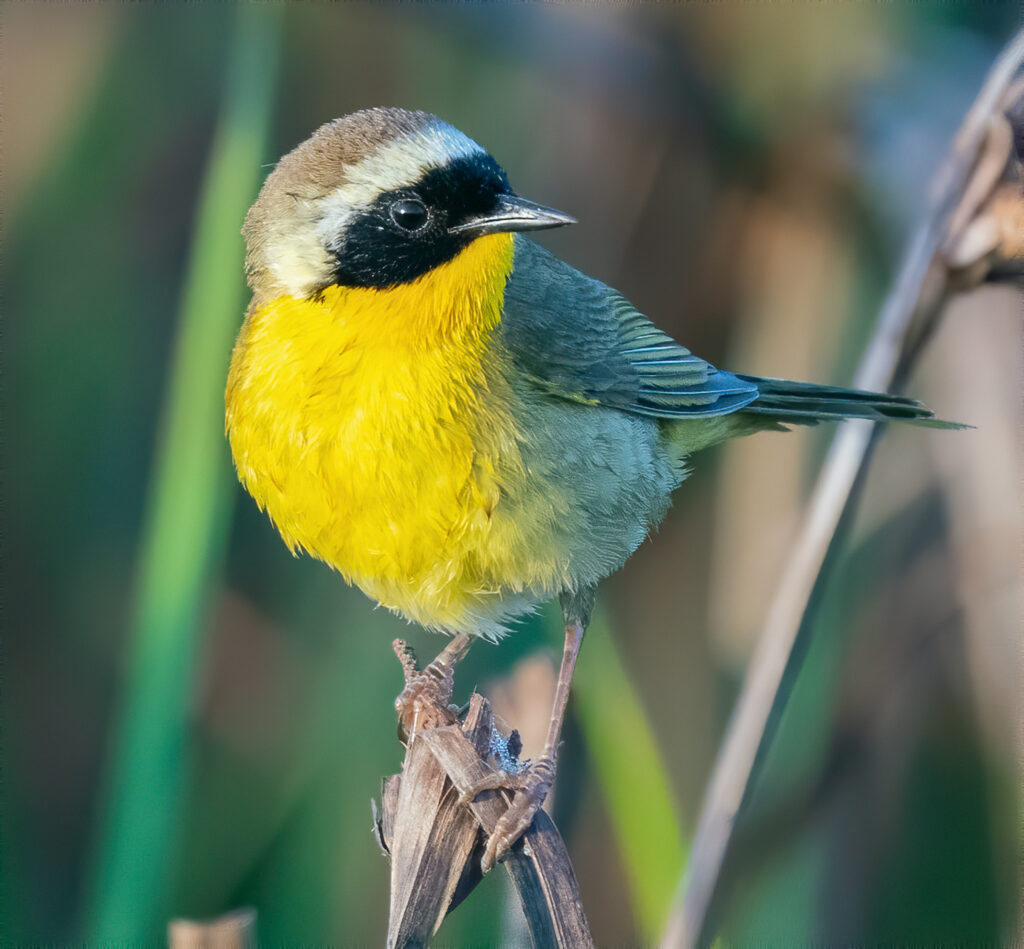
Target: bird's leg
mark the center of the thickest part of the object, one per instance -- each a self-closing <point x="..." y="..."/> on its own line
<point x="423" y="703"/>
<point x="533" y="784"/>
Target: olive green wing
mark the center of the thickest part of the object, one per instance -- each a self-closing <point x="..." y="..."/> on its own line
<point x="579" y="340"/>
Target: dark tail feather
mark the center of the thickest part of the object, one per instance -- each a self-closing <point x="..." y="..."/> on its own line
<point x="804" y="403"/>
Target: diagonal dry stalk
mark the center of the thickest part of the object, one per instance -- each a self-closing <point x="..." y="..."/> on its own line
<point x="928" y="275"/>
<point x="436" y="842"/>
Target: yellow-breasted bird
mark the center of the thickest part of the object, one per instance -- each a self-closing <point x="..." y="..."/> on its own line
<point x="458" y="422"/>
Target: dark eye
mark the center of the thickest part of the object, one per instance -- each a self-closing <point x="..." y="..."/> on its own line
<point x="410" y="214"/>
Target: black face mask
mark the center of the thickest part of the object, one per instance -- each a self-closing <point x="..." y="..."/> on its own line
<point x="406" y="233"/>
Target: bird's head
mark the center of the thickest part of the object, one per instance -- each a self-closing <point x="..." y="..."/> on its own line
<point x="376" y="199"/>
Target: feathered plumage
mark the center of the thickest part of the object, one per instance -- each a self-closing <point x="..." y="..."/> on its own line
<point x="463" y="425"/>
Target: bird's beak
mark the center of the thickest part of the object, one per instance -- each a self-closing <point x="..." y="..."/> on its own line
<point x="514" y="214"/>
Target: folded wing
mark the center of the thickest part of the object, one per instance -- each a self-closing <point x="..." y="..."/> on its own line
<point x="578" y="339"/>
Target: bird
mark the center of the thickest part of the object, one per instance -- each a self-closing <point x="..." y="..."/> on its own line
<point x="458" y="422"/>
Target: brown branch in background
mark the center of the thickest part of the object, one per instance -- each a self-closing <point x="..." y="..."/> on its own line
<point x="235" y="930"/>
<point x="944" y="257"/>
<point x="986" y="233"/>
<point x="435" y="841"/>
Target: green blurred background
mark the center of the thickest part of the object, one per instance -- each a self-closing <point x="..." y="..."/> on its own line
<point x="193" y="720"/>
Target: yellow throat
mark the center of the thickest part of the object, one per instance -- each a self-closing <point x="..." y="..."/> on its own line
<point x="368" y="423"/>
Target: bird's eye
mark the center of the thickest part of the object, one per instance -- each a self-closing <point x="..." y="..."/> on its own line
<point x="410" y="214"/>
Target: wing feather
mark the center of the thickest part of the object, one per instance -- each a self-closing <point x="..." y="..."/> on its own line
<point x="580" y="340"/>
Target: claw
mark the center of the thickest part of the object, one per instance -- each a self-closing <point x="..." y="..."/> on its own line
<point x="537" y="778"/>
<point x="423" y="703"/>
<point x="493" y="782"/>
<point x="533" y="787"/>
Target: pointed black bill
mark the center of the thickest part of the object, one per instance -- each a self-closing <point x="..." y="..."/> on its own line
<point x="513" y="214"/>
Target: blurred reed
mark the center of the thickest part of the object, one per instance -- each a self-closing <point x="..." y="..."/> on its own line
<point x="923" y="283"/>
<point x="632" y="776"/>
<point x="185" y="526"/>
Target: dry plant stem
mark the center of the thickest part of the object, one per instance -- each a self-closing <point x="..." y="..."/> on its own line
<point x="435" y="840"/>
<point x="538" y="864"/>
<point x="430" y="838"/>
<point x="904" y="322"/>
<point x="235" y="930"/>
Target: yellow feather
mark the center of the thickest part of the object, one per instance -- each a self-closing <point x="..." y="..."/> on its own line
<point x="372" y="424"/>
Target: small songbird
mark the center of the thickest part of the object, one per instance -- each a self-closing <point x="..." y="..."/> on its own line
<point x="458" y="422"/>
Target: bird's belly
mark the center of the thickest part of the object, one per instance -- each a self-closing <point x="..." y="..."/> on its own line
<point x="461" y="530"/>
<point x="382" y="462"/>
<point x="395" y="503"/>
<point x="455" y="496"/>
<point x="597" y="481"/>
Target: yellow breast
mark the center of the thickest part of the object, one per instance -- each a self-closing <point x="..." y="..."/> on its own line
<point x="368" y="423"/>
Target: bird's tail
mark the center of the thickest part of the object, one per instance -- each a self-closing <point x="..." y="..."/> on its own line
<point x="805" y="403"/>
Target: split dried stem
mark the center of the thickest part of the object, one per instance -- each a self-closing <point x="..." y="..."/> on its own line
<point x="436" y="842"/>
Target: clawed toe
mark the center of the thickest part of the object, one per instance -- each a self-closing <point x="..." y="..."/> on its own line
<point x="423" y="703"/>
<point x="531" y="790"/>
<point x="496" y="780"/>
<point x="531" y="785"/>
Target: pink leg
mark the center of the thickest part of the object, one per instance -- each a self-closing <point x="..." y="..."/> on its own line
<point x="533" y="787"/>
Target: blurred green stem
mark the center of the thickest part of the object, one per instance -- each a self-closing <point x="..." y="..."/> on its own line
<point x="632" y="777"/>
<point x="186" y="521"/>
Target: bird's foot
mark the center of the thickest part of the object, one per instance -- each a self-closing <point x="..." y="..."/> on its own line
<point x="531" y="785"/>
<point x="423" y="703"/>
